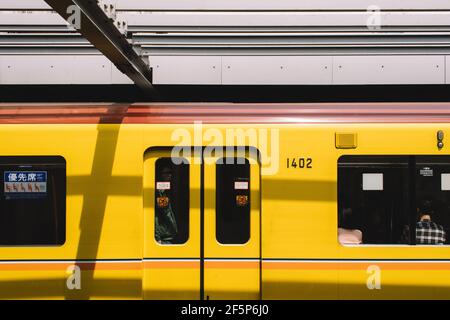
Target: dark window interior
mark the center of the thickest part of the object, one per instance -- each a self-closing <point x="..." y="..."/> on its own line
<point x="389" y="216"/>
<point x="232" y="200"/>
<point x="33" y="213"/>
<point x="428" y="188"/>
<point x="171" y="201"/>
<point x="381" y="215"/>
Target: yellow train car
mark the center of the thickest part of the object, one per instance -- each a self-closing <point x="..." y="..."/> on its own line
<point x="225" y="201"/>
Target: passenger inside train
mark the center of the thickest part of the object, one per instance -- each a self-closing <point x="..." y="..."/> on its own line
<point x="347" y="232"/>
<point x="165" y="223"/>
<point x="428" y="231"/>
<point x="171" y="202"/>
<point x="395" y="200"/>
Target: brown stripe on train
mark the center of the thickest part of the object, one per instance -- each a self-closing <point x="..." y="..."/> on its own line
<point x="183" y="113"/>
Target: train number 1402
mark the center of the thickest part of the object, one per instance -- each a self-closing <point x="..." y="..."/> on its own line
<point x="301" y="163"/>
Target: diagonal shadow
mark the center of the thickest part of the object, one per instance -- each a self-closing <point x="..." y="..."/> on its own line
<point x="274" y="189"/>
<point x="102" y="165"/>
<point x="106" y="288"/>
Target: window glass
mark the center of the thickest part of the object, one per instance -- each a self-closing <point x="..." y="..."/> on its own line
<point x="33" y="201"/>
<point x="232" y="200"/>
<point x="171" y="201"/>
<point x="432" y="200"/>
<point x="373" y="200"/>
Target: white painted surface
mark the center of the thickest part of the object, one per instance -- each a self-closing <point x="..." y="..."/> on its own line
<point x="447" y="73"/>
<point x="23" y="4"/>
<point x="372" y="181"/>
<point x="278" y="4"/>
<point x="276" y="70"/>
<point x="117" y="77"/>
<point x="32" y="18"/>
<point x="308" y="19"/>
<point x="445" y="181"/>
<point x="389" y="70"/>
<point x="186" y="70"/>
<point x="230" y="70"/>
<point x="60" y="69"/>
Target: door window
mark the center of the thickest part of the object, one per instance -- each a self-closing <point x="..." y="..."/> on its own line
<point x="233" y="200"/>
<point x="171" y="201"/>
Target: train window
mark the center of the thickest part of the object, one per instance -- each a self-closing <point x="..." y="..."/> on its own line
<point x="33" y="201"/>
<point x="232" y="200"/>
<point x="171" y="201"/>
<point x="412" y="207"/>
<point x="373" y="200"/>
<point x="432" y="200"/>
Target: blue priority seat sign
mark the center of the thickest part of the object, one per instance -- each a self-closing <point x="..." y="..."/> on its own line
<point x="25" y="184"/>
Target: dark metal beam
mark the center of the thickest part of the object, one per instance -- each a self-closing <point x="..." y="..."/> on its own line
<point x="99" y="29"/>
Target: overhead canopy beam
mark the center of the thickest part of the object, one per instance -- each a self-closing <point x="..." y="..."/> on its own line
<point x="99" y="28"/>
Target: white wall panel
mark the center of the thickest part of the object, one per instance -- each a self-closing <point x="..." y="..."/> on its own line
<point x="23" y="5"/>
<point x="117" y="77"/>
<point x="277" y="70"/>
<point x="90" y="69"/>
<point x="31" y="18"/>
<point x="189" y="49"/>
<point x="389" y="70"/>
<point x="249" y="4"/>
<point x="186" y="70"/>
<point x="60" y="69"/>
<point x="284" y="18"/>
<point x="447" y="63"/>
<point x="231" y="70"/>
<point x="280" y="4"/>
<point x="35" y="69"/>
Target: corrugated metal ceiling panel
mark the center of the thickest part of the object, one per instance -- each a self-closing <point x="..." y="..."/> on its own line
<point x="242" y="28"/>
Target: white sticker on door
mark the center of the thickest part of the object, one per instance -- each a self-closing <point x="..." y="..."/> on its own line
<point x="241" y="185"/>
<point x="163" y="185"/>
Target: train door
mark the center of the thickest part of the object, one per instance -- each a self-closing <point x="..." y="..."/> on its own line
<point x="232" y="227"/>
<point x="171" y="226"/>
<point x="201" y="227"/>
